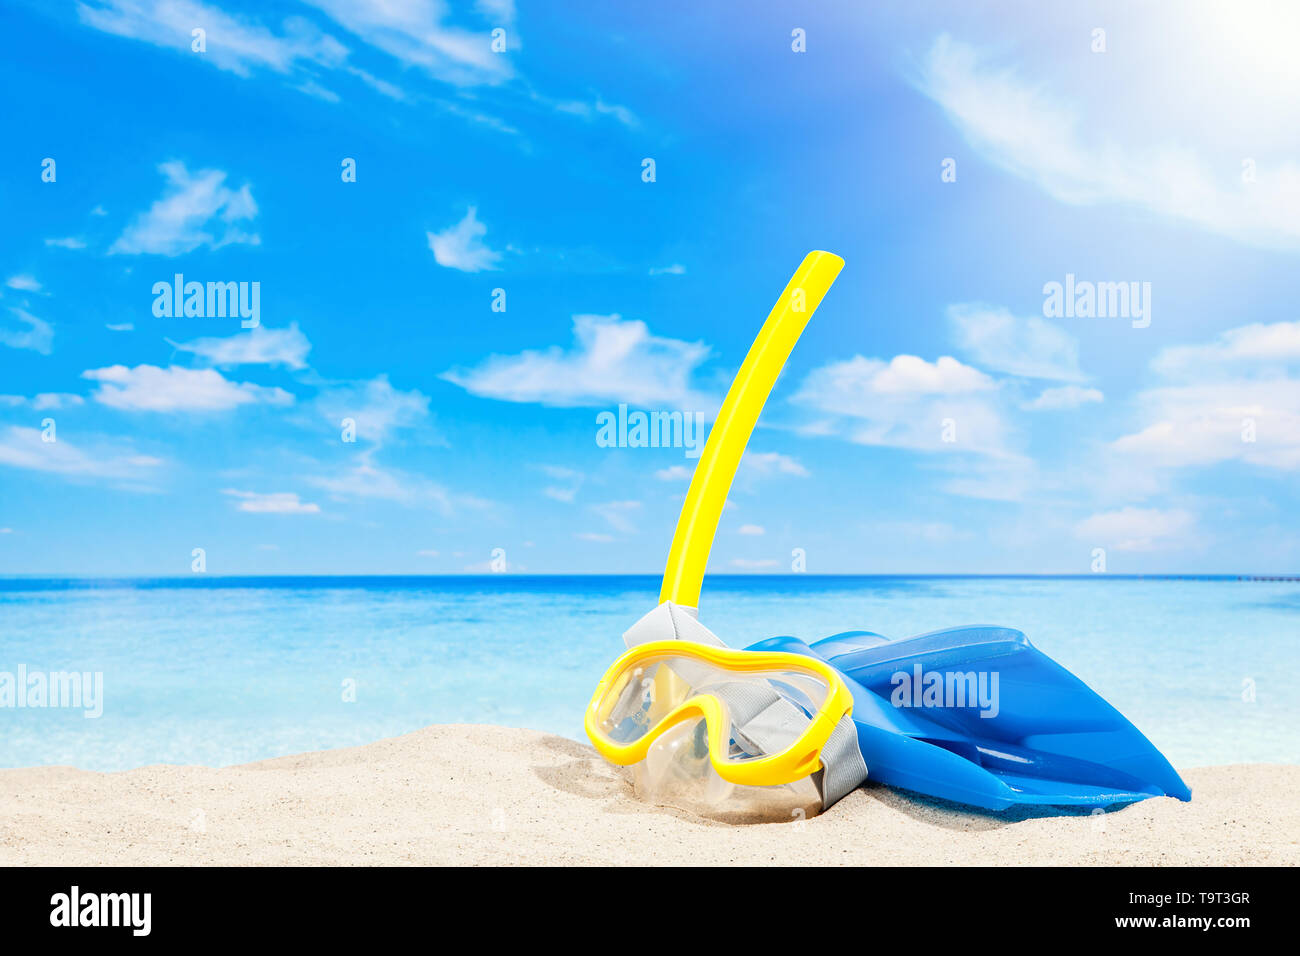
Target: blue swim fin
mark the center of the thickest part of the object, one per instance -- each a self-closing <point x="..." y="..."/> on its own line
<point x="1002" y="725"/>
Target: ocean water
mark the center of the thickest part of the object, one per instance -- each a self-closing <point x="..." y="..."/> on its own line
<point x="219" y="671"/>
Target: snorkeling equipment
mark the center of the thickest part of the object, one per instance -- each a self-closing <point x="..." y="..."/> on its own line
<point x="708" y="725"/>
<point x="1047" y="739"/>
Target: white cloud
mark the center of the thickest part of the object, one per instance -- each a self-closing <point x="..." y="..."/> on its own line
<point x="676" y="269"/>
<point x="234" y="43"/>
<point x="593" y="536"/>
<point x="377" y="408"/>
<point x="593" y="109"/>
<point x="70" y="242"/>
<point x="461" y="246"/>
<point x="314" y="89"/>
<point x="43" y="401"/>
<point x="896" y="534"/>
<point x="414" y="33"/>
<point x="1257" y="422"/>
<point x="905" y="403"/>
<point x="1067" y="151"/>
<point x="613" y="361"/>
<point x="617" y="513"/>
<point x="278" y="503"/>
<point x="258" y="346"/>
<point x="37" y="336"/>
<point x="1246" y="348"/>
<point x="391" y="90"/>
<point x="570" y="479"/>
<point x="754" y="564"/>
<point x="1027" y="347"/>
<point x="1004" y="476"/>
<point x="367" y="481"/>
<point x="1236" y="398"/>
<point x="427" y="553"/>
<point x="23" y="282"/>
<point x="843" y="385"/>
<point x="120" y="326"/>
<point x="1063" y="397"/>
<point x="174" y="389"/>
<point x="24" y="448"/>
<point x="675" y="473"/>
<point x="771" y="463"/>
<point x="1137" y="529"/>
<point x="195" y="210"/>
<point x="751" y="529"/>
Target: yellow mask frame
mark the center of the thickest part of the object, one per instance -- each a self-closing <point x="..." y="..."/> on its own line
<point x="800" y="759"/>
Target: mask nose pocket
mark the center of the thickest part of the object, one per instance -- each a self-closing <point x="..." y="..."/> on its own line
<point x="677" y="772"/>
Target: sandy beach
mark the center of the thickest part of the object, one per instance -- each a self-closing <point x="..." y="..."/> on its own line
<point x="459" y="794"/>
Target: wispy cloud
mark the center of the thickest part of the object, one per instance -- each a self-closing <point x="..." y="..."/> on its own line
<point x="461" y="246"/>
<point x="312" y="88"/>
<point x="772" y="463"/>
<point x="258" y="346"/>
<point x="69" y="242"/>
<point x="44" y="401"/>
<point x="175" y="389"/>
<point x="234" y="43"/>
<point x="1137" y="529"/>
<point x="1028" y="347"/>
<point x="612" y="361"/>
<point x="618" y="514"/>
<point x="1248" y="348"/>
<point x="366" y="480"/>
<point x="24" y="283"/>
<point x="569" y="480"/>
<point x="416" y="34"/>
<point x="22" y="447"/>
<point x="195" y="210"/>
<point x="674" y="473"/>
<point x="38" y="335"/>
<point x="905" y="402"/>
<point x="596" y="108"/>
<point x="278" y="503"/>
<point x="1061" y="398"/>
<point x="377" y="408"/>
<point x="1014" y="122"/>
<point x="1237" y="397"/>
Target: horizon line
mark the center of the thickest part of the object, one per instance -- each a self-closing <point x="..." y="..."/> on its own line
<point x="489" y="575"/>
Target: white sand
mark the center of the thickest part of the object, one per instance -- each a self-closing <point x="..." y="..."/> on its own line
<point x="491" y="795"/>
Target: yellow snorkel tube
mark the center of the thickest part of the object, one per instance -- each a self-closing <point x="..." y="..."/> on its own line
<point x="689" y="556"/>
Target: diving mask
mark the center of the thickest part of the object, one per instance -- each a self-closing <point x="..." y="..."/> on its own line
<point x="705" y="726"/>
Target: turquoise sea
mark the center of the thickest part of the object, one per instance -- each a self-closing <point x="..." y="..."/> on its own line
<point x="219" y="671"/>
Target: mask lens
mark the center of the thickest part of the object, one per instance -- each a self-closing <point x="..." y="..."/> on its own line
<point x="766" y="712"/>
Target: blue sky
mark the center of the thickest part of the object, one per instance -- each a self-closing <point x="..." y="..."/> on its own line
<point x="933" y="419"/>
